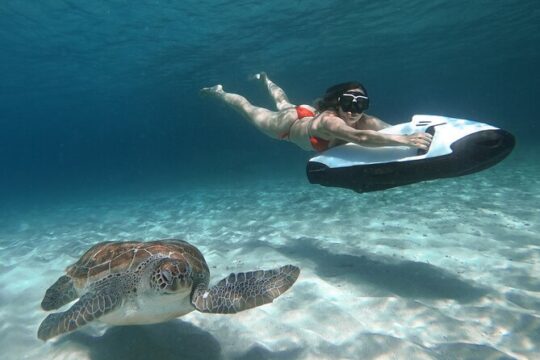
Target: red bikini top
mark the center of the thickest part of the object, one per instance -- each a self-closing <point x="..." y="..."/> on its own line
<point x="317" y="143"/>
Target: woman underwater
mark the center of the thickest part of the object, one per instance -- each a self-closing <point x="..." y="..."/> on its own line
<point x="336" y="119"/>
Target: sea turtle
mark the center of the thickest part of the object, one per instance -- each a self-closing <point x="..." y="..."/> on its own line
<point x="125" y="283"/>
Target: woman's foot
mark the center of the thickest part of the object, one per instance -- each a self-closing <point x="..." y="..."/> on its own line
<point x="260" y="77"/>
<point x="212" y="91"/>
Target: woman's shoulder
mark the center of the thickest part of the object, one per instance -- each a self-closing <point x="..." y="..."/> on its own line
<point x="328" y="114"/>
<point x="328" y="120"/>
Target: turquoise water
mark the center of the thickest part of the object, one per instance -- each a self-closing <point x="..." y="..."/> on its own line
<point x="103" y="135"/>
<point x="106" y="93"/>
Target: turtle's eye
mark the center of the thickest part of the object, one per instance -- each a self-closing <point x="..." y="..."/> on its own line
<point x="167" y="276"/>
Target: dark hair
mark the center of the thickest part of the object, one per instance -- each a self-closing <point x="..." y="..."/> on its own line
<point x="330" y="99"/>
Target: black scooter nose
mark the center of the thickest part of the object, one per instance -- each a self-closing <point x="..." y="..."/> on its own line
<point x="487" y="145"/>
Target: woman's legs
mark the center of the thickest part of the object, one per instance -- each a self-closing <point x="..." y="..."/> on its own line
<point x="277" y="93"/>
<point x="272" y="123"/>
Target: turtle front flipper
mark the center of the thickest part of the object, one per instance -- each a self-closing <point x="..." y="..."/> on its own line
<point x="243" y="291"/>
<point x="105" y="296"/>
<point x="59" y="294"/>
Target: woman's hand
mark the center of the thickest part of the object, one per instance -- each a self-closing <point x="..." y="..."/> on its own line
<point x="417" y="140"/>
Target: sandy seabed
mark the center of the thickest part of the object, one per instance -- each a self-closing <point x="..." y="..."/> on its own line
<point x="441" y="270"/>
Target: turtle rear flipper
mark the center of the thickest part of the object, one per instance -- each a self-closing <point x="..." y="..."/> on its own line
<point x="105" y="297"/>
<point x="59" y="294"/>
<point x="243" y="291"/>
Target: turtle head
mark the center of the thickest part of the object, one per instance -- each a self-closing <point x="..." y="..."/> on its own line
<point x="171" y="276"/>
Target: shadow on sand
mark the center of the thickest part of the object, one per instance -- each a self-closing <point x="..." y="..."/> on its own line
<point x="175" y="339"/>
<point x="171" y="340"/>
<point x="409" y="279"/>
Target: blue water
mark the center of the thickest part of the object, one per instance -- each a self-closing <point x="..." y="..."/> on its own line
<point x="104" y="94"/>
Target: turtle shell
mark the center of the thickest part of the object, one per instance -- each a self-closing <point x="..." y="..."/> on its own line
<point x="113" y="257"/>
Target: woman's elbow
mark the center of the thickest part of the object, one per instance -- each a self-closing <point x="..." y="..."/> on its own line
<point x="362" y="138"/>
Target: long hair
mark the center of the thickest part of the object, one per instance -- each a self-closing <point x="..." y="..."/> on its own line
<point x="330" y="99"/>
